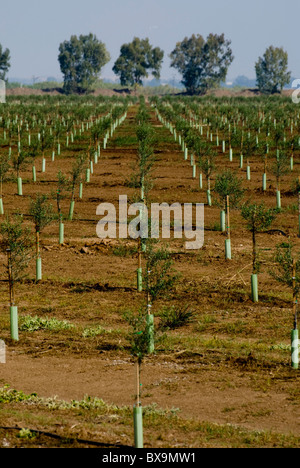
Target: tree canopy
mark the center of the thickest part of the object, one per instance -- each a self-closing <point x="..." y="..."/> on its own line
<point x="81" y="60"/>
<point x="4" y="62"/>
<point x="272" y="70"/>
<point x="136" y="60"/>
<point x="202" y="64"/>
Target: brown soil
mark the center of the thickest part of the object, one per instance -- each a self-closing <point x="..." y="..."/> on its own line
<point x="93" y="286"/>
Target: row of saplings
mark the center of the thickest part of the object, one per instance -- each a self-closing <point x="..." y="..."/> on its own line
<point x="155" y="274"/>
<point x="158" y="276"/>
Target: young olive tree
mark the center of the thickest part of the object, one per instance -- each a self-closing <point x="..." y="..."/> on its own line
<point x="228" y="188"/>
<point x="76" y="176"/>
<point x="45" y="142"/>
<point x="4" y="169"/>
<point x="159" y="279"/>
<point x="62" y="188"/>
<point x="249" y="147"/>
<point x="286" y="270"/>
<point x="33" y="152"/>
<point x="138" y="338"/>
<point x="280" y="168"/>
<point x="207" y="165"/>
<point x="19" y="162"/>
<point x="145" y="162"/>
<point x="42" y="214"/>
<point x="17" y="244"/>
<point x="259" y="218"/>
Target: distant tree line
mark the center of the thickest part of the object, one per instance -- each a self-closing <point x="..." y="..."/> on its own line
<point x="202" y="63"/>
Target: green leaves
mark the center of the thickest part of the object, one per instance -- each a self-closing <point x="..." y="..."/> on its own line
<point x="136" y="59"/>
<point x="283" y="266"/>
<point x="159" y="277"/>
<point x="258" y="216"/>
<point x="138" y="336"/>
<point x="271" y="70"/>
<point x="4" y="166"/>
<point x="81" y="60"/>
<point x="41" y="212"/>
<point x="4" y="62"/>
<point x="18" y="239"/>
<point x="203" y="64"/>
<point x="228" y="184"/>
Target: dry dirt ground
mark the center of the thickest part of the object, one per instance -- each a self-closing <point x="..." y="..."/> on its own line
<point x="230" y="365"/>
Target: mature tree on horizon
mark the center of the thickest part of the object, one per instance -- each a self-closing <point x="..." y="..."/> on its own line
<point x="136" y="60"/>
<point x="202" y="64"/>
<point x="4" y="62"/>
<point x="81" y="60"/>
<point x="272" y="70"/>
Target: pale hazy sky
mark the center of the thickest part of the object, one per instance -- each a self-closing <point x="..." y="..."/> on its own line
<point x="33" y="29"/>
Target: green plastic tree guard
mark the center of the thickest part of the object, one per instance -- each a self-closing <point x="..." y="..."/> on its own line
<point x="138" y="427"/>
<point x="264" y="182"/>
<point x="80" y="190"/>
<point x="208" y="194"/>
<point x="228" y="249"/>
<point x="61" y="233"/>
<point x="14" y="331"/>
<point x="223" y="221"/>
<point x="278" y="199"/>
<point x="88" y="175"/>
<point x="200" y="180"/>
<point x="248" y="173"/>
<point x="295" y="349"/>
<point x="71" y="211"/>
<point x="38" y="269"/>
<point x="254" y="288"/>
<point x="1" y="207"/>
<point x="241" y="161"/>
<point x="20" y="186"/>
<point x="33" y="173"/>
<point x="43" y="165"/>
